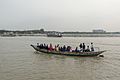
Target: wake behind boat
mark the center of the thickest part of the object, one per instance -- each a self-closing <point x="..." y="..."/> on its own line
<point x="90" y="53"/>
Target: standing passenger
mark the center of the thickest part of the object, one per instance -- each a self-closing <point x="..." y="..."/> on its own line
<point x="83" y="47"/>
<point x="92" y="48"/>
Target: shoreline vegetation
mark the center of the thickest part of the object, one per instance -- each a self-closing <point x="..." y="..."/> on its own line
<point x="41" y="32"/>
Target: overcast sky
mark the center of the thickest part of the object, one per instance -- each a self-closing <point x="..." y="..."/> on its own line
<point x="60" y="15"/>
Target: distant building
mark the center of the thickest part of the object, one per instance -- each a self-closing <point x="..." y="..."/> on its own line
<point x="99" y="31"/>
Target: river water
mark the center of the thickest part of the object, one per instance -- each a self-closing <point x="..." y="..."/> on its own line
<point x="18" y="60"/>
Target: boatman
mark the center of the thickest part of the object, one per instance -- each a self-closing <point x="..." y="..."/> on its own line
<point x="92" y="48"/>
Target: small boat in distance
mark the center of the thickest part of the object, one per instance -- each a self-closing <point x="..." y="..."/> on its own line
<point x="54" y="34"/>
<point x="85" y="54"/>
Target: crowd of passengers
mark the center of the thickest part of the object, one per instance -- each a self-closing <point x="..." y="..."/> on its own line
<point x="82" y="48"/>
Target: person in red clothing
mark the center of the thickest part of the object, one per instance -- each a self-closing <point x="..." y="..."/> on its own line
<point x="50" y="47"/>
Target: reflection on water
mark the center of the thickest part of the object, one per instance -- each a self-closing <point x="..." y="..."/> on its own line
<point x="70" y="67"/>
<point x="18" y="61"/>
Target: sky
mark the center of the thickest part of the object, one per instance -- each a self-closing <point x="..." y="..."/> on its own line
<point x="60" y="15"/>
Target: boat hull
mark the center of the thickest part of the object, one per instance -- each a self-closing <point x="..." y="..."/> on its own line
<point x="85" y="54"/>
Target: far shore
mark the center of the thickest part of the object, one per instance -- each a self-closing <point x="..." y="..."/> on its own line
<point x="41" y="32"/>
<point x="65" y="35"/>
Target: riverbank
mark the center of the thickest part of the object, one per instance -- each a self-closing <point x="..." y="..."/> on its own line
<point x="67" y="35"/>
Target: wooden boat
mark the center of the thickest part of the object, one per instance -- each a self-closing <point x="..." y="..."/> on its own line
<point x="91" y="53"/>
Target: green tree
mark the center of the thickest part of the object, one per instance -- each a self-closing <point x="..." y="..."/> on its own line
<point x="41" y="30"/>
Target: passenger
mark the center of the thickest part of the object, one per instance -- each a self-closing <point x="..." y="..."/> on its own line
<point x="83" y="47"/>
<point x="64" y="48"/>
<point x="57" y="48"/>
<point x="47" y="46"/>
<point x="68" y="48"/>
<point x="76" y="49"/>
<point x="44" y="46"/>
<point x="92" y="48"/>
<point x="50" y="48"/>
<point x="87" y="50"/>
<point x="37" y="44"/>
<point x="73" y="50"/>
<point x="41" y="46"/>
<point x="61" y="48"/>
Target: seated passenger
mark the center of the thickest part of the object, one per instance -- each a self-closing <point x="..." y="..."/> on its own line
<point x="44" y="46"/>
<point x="41" y="46"/>
<point x="47" y="46"/>
<point x="68" y="48"/>
<point x="76" y="49"/>
<point x="87" y="50"/>
<point x="37" y="44"/>
<point x="57" y="48"/>
<point x="50" y="47"/>
<point x="64" y="48"/>
<point x="60" y="49"/>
